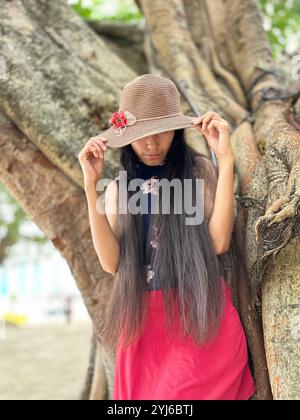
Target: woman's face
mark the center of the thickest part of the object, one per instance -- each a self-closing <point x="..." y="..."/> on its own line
<point x="153" y="149"/>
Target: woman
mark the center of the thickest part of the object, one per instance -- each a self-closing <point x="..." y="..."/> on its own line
<point x="170" y="314"/>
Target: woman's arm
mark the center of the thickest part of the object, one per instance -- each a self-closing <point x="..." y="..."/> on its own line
<point x="221" y="220"/>
<point x="104" y="226"/>
<point x="217" y="132"/>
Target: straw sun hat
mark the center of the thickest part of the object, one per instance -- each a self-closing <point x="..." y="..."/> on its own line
<point x="149" y="104"/>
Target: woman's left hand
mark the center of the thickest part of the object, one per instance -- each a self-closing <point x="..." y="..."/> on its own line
<point x="217" y="132"/>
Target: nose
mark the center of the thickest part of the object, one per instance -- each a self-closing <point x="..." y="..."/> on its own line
<point x="151" y="141"/>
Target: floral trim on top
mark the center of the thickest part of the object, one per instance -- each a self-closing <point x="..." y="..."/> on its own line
<point x="154" y="240"/>
<point x="150" y="185"/>
<point x="150" y="273"/>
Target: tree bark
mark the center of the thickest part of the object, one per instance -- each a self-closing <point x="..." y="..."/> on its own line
<point x="125" y="40"/>
<point x="64" y="82"/>
<point x="281" y="320"/>
<point x="87" y="386"/>
<point x="271" y="100"/>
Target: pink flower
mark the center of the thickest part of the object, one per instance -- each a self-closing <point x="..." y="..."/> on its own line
<point x="118" y="119"/>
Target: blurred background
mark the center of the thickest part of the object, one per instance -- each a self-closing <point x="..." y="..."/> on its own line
<point x="44" y="325"/>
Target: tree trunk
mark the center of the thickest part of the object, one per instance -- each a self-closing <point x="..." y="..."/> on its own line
<point x="63" y="82"/>
<point x="125" y="40"/>
<point x="281" y="318"/>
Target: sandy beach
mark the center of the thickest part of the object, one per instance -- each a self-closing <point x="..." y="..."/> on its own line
<point x="44" y="362"/>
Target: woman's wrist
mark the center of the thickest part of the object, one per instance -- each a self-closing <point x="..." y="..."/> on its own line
<point x="89" y="186"/>
<point x="226" y="159"/>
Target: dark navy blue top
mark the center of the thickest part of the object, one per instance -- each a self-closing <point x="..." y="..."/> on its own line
<point x="149" y="174"/>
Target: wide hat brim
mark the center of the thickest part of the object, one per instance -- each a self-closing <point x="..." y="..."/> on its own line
<point x="145" y="128"/>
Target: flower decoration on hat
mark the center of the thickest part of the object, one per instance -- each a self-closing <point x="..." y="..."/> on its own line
<point x="121" y="120"/>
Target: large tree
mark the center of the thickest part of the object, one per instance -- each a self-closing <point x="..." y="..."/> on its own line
<point x="63" y="79"/>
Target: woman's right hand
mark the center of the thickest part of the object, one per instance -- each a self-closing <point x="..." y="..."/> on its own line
<point x="91" y="158"/>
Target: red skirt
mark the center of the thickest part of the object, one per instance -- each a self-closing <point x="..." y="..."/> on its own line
<point x="160" y="367"/>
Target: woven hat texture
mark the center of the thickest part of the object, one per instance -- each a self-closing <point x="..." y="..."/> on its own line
<point x="149" y="104"/>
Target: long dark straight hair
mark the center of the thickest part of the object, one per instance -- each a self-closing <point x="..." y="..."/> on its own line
<point x="187" y="264"/>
